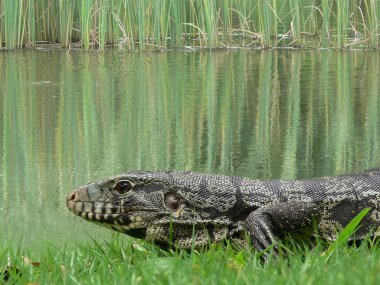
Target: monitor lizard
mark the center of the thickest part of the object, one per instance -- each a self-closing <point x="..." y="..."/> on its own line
<point x="185" y="208"/>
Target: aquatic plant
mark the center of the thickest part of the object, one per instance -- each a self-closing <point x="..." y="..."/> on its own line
<point x="148" y="24"/>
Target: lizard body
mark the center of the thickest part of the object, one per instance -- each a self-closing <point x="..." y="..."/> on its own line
<point x="189" y="208"/>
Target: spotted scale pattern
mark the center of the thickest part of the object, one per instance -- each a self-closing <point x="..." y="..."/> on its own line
<point x="206" y="208"/>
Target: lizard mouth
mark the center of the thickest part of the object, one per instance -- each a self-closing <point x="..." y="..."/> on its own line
<point x="101" y="211"/>
<point x="105" y="213"/>
<point x="95" y="211"/>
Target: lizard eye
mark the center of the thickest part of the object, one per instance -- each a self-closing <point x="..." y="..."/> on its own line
<point x="122" y="186"/>
<point x="172" y="201"/>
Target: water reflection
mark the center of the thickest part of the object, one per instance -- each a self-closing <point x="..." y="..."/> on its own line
<point x="70" y="118"/>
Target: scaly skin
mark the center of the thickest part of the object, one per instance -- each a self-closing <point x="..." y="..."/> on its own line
<point x="186" y="208"/>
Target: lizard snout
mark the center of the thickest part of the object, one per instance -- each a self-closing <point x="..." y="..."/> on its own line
<point x="73" y="196"/>
<point x="71" y="199"/>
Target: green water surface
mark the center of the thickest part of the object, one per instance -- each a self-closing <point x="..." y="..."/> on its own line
<point x="71" y="118"/>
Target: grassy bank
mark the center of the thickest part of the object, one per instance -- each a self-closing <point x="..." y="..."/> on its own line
<point x="126" y="262"/>
<point x="150" y="24"/>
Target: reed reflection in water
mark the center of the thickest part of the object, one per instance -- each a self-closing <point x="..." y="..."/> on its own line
<point x="67" y="119"/>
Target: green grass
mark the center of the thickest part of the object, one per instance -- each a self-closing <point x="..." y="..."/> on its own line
<point x="124" y="261"/>
<point x="148" y="24"/>
<point x="127" y="261"/>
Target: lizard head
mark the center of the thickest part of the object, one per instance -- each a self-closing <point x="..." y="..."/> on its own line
<point x="161" y="207"/>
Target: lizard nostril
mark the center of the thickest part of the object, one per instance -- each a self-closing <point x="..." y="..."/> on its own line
<point x="73" y="196"/>
<point x="72" y="200"/>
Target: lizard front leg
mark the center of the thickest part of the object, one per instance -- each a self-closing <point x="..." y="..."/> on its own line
<point x="263" y="223"/>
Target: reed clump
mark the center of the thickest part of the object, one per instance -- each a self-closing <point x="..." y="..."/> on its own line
<point x="147" y="24"/>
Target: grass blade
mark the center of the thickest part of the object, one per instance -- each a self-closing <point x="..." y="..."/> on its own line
<point x="346" y="233"/>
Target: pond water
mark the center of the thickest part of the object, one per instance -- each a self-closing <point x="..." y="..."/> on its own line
<point x="71" y="118"/>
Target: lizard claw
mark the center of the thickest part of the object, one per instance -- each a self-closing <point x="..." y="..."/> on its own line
<point x="263" y="222"/>
<point x="260" y="229"/>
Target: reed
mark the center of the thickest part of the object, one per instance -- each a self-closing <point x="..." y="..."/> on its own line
<point x="10" y="18"/>
<point x="128" y="24"/>
<point x="371" y="28"/>
<point x="1" y="25"/>
<point x="86" y="22"/>
<point x="66" y="19"/>
<point x="325" y="31"/>
<point x="148" y="24"/>
<point x="225" y="20"/>
<point x="264" y="19"/>
<point x="295" y="23"/>
<point x="31" y="35"/>
<point x="342" y="22"/>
